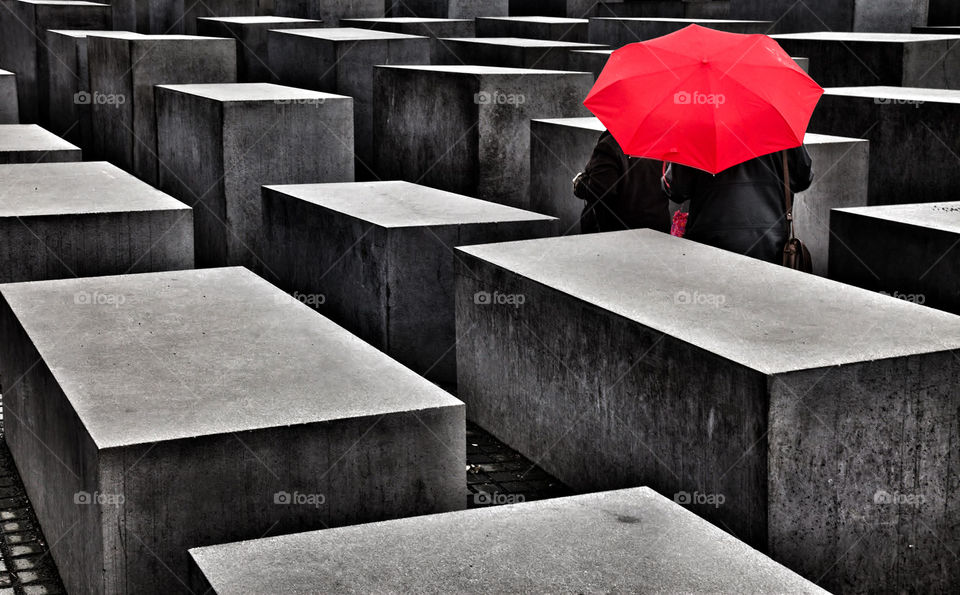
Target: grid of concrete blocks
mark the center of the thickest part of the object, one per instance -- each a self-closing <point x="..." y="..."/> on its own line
<point x="293" y="297"/>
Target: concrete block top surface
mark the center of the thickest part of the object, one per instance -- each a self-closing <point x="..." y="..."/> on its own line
<point x="539" y="20"/>
<point x="701" y="22"/>
<point x="403" y="204"/>
<point x="942" y="216"/>
<point x="476" y="70"/>
<point x="621" y="541"/>
<point x="525" y="42"/>
<point x="594" y="124"/>
<point x="76" y="188"/>
<point x="348" y="34"/>
<point x="239" y="92"/>
<point x="80" y="34"/>
<point x="204" y="352"/>
<point x="263" y="20"/>
<point x="30" y="137"/>
<point x="407" y="20"/>
<point x="864" y="36"/>
<point x="898" y="94"/>
<point x="771" y="319"/>
<point x="6" y="73"/>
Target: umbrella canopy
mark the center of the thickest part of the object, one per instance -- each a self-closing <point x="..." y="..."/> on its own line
<point x="704" y="98"/>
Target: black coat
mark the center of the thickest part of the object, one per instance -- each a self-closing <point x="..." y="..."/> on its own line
<point x="742" y="208"/>
<point x="621" y="192"/>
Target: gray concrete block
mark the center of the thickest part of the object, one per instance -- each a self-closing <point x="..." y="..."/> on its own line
<point x="62" y="220"/>
<point x="943" y="12"/>
<point x="534" y="27"/>
<point x="9" y="104"/>
<point x="381" y="255"/>
<point x="803" y="63"/>
<point x="466" y="128"/>
<point x="450" y="9"/>
<point x="679" y="9"/>
<point x="890" y="16"/>
<point x="124" y="72"/>
<point x="330" y="11"/>
<point x="802" y="415"/>
<point x="512" y="52"/>
<point x="270" y="419"/>
<point x="253" y="57"/>
<point x="902" y="250"/>
<point x="436" y="29"/>
<point x="175" y="17"/>
<point x="618" y="32"/>
<point x="621" y="541"/>
<point x="29" y="143"/>
<point x="577" y="9"/>
<point x="22" y="27"/>
<point x="341" y="60"/>
<point x="66" y="84"/>
<point x="891" y="59"/>
<point x="938" y="30"/>
<point x="220" y="143"/>
<point x="914" y="138"/>
<point x="560" y="148"/>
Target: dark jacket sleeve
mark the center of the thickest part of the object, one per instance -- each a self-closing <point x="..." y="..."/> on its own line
<point x="603" y="172"/>
<point x="801" y="169"/>
<point x="679" y="182"/>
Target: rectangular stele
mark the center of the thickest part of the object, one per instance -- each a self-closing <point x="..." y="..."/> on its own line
<point x="158" y="412"/>
<point x="561" y="148"/>
<point x="466" y="129"/>
<point x="534" y="27"/>
<point x="29" y="143"/>
<point x="124" y="72"/>
<point x="341" y="60"/>
<point x="843" y="59"/>
<point x="449" y="9"/>
<point x="331" y="12"/>
<point x="902" y="250"/>
<point x="65" y="79"/>
<point x="253" y="59"/>
<point x="175" y="17"/>
<point x="63" y="220"/>
<point x="895" y="16"/>
<point x="9" y="104"/>
<point x="436" y="29"/>
<point x="512" y="52"/>
<point x="378" y="258"/>
<point x="617" y="32"/>
<point x="623" y="541"/>
<point x="22" y="27"/>
<point x="220" y="143"/>
<point x="914" y="139"/>
<point x="823" y="415"/>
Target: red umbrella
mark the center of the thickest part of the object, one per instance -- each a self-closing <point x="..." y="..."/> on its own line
<point x="704" y="98"/>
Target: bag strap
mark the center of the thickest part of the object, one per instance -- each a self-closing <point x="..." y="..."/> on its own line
<point x="788" y="196"/>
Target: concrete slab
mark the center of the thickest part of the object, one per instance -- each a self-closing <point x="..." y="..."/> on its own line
<point x="175" y="17"/>
<point x="62" y="220"/>
<point x="435" y="29"/>
<point x="272" y="419"/>
<point x="512" y="52"/>
<point x="466" y="129"/>
<point x="560" y="148"/>
<point x="891" y="16"/>
<point x="943" y="12"/>
<point x="621" y="541"/>
<point x="938" y="29"/>
<point x="914" y="138"/>
<point x="330" y="11"/>
<point x="220" y="143"/>
<point x="449" y="9"/>
<point x="22" y="26"/>
<point x="29" y="143"/>
<point x="253" y="57"/>
<point x="902" y="250"/>
<point x="381" y="254"/>
<point x="618" y="32"/>
<point x="341" y="60"/>
<point x="9" y="104"/>
<point x="66" y="83"/>
<point x="124" y="72"/>
<point x="534" y="27"/>
<point x="778" y="415"/>
<point x="893" y="59"/>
